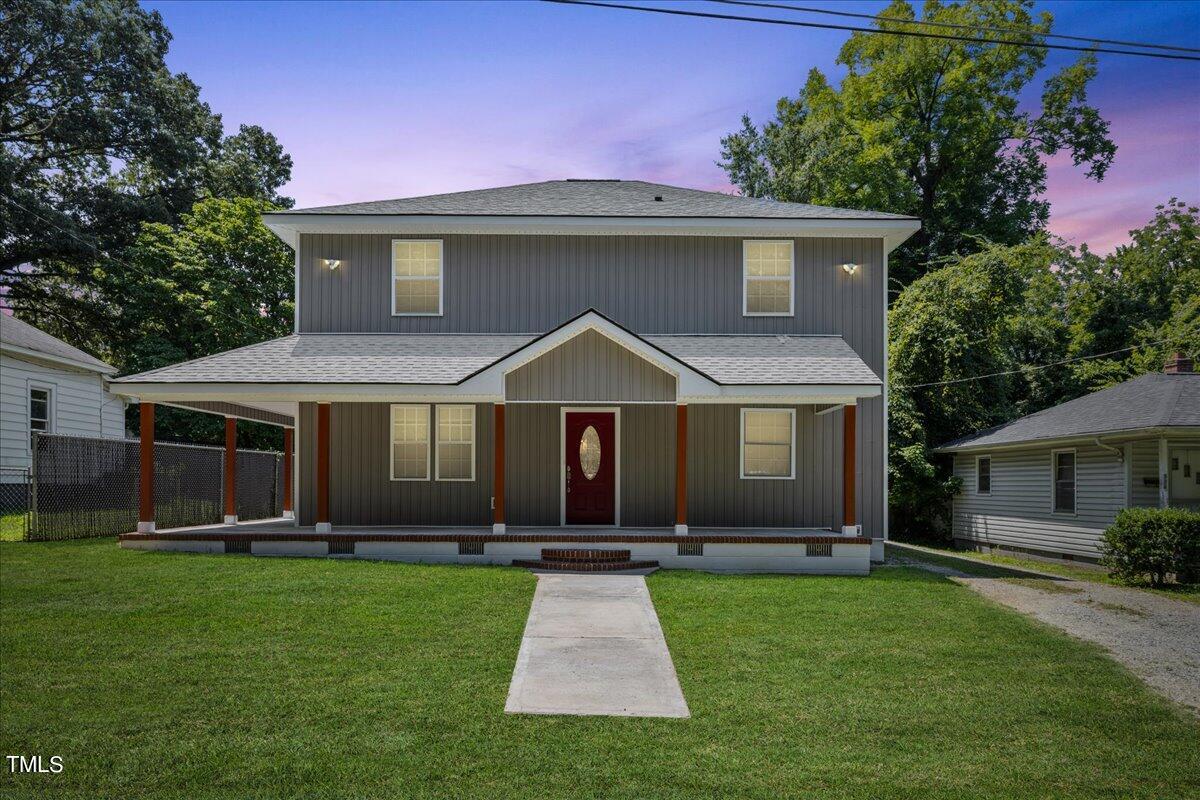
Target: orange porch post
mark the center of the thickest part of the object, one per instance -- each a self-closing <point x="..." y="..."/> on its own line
<point x="681" y="470"/>
<point x="849" y="449"/>
<point x="146" y="470"/>
<point x="288" y="511"/>
<point x="498" y="480"/>
<point x="322" y="520"/>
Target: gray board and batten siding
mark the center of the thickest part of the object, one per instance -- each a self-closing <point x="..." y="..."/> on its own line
<point x="591" y="368"/>
<point x="362" y="493"/>
<point x="650" y="284"/>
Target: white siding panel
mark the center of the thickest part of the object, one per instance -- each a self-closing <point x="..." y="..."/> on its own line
<point x="81" y="406"/>
<point x="1144" y="468"/>
<point x="1017" y="512"/>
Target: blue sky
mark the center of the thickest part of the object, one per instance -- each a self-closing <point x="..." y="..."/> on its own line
<point x="377" y="100"/>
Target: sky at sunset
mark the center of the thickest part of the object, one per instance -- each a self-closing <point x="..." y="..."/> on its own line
<point x="380" y="100"/>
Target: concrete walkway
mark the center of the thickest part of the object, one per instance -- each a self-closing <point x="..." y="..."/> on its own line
<point x="593" y="646"/>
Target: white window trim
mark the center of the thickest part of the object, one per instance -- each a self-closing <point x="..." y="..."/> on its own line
<point x="392" y="441"/>
<point x="988" y="493"/>
<point x="437" y="461"/>
<point x="791" y="476"/>
<point x="51" y="390"/>
<point x="441" y="277"/>
<point x="791" y="312"/>
<point x="1054" y="480"/>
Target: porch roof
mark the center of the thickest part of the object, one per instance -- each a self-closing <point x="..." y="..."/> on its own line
<point x="451" y="359"/>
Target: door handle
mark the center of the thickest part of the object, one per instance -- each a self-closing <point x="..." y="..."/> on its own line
<point x="568" y="478"/>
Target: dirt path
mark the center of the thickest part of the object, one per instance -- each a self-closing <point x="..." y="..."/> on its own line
<point x="1156" y="637"/>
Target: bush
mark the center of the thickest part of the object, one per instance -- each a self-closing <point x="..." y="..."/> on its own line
<point x="1154" y="542"/>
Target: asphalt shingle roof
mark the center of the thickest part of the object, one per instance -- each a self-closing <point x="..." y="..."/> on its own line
<point x="1157" y="400"/>
<point x="450" y="358"/>
<point x="15" y="333"/>
<point x="594" y="198"/>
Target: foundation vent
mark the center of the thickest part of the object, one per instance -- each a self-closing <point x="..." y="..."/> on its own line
<point x="818" y="550"/>
<point x="470" y="548"/>
<point x="691" y="548"/>
<point x="240" y="545"/>
<point x="341" y="547"/>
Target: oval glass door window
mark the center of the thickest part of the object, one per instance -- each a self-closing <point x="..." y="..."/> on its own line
<point x="589" y="452"/>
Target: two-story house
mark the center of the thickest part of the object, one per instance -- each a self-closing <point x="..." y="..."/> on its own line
<point x="692" y="377"/>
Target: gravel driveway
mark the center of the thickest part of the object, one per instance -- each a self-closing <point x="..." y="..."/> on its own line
<point x="1156" y="637"/>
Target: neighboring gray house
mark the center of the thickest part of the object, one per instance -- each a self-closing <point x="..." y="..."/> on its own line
<point x="47" y="385"/>
<point x="1051" y="482"/>
<point x="474" y="375"/>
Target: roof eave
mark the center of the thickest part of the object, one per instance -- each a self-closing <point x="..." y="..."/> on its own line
<point x="100" y="368"/>
<point x="288" y="226"/>
<point x="1156" y="430"/>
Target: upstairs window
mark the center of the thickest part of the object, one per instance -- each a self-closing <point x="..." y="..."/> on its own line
<point x="455" y="443"/>
<point x="410" y="443"/>
<point x="417" y="277"/>
<point x="1063" y="466"/>
<point x="767" y="271"/>
<point x="983" y="475"/>
<point x="768" y="442"/>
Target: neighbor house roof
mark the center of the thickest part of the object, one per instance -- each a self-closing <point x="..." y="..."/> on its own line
<point x="1152" y="401"/>
<point x="594" y="198"/>
<point x="22" y="339"/>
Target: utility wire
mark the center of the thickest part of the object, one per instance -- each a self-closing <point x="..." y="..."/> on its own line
<point x="1036" y="367"/>
<point x="958" y="26"/>
<point x="115" y="260"/>
<point x="859" y="29"/>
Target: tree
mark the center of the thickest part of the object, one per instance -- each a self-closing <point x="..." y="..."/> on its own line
<point x="220" y="280"/>
<point x="980" y="315"/>
<point x="99" y="137"/>
<point x="930" y="128"/>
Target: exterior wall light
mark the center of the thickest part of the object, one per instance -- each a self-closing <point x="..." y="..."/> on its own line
<point x="331" y="263"/>
<point x="850" y="268"/>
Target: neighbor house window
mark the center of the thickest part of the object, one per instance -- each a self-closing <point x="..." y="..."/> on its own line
<point x="410" y="443"/>
<point x="40" y="411"/>
<point x="983" y="475"/>
<point x="417" y="276"/>
<point x="767" y="270"/>
<point x="768" y="442"/>
<point x="455" y="443"/>
<point x="1064" y="480"/>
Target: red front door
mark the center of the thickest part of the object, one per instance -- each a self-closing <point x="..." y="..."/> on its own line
<point x="591" y="473"/>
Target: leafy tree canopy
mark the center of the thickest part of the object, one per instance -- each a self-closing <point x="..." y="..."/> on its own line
<point x="931" y="128"/>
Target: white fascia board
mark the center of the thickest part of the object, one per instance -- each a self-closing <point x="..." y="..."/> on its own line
<point x="491" y="380"/>
<point x="60" y="361"/>
<point x="252" y="393"/>
<point x="288" y="227"/>
<point x="788" y="394"/>
<point x="1128" y="434"/>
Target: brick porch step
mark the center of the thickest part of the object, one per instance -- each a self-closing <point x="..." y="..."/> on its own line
<point x="579" y="554"/>
<point x="585" y="566"/>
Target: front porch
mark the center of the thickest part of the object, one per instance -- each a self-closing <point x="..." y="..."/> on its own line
<point x="711" y="549"/>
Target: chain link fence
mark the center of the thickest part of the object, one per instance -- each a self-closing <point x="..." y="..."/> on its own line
<point x="83" y="486"/>
<point x="14" y="503"/>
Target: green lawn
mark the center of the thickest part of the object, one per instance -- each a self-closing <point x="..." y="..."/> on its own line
<point x="187" y="675"/>
<point x="12" y="527"/>
<point x="994" y="564"/>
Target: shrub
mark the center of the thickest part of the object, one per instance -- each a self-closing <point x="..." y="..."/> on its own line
<point x="1154" y="542"/>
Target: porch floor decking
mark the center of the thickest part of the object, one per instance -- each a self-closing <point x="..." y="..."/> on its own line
<point x="287" y="530"/>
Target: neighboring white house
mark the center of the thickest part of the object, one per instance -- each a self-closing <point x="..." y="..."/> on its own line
<point x="1050" y="483"/>
<point x="47" y="385"/>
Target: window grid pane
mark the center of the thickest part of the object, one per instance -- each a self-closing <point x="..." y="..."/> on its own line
<point x="416" y="277"/>
<point x="768" y="278"/>
<point x="984" y="482"/>
<point x="456" y="443"/>
<point x="767" y="450"/>
<point x="410" y="442"/>
<point x="1064" y="482"/>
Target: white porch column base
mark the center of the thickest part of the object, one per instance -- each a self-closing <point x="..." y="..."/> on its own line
<point x="231" y="519"/>
<point x="681" y="530"/>
<point x="146" y="527"/>
<point x="498" y="527"/>
<point x="289" y="514"/>
<point x="877" y="552"/>
<point x="851" y="530"/>
<point x="324" y="527"/>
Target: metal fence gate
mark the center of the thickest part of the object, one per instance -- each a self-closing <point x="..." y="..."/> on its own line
<point x="83" y="486"/>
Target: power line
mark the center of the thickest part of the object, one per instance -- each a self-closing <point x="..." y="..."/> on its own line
<point x="1036" y="367"/>
<point x="958" y="26"/>
<point x="859" y="29"/>
<point x="115" y="260"/>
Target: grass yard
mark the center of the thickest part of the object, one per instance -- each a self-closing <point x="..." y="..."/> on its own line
<point x="187" y="675"/>
<point x="993" y="565"/>
<point x="12" y="527"/>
